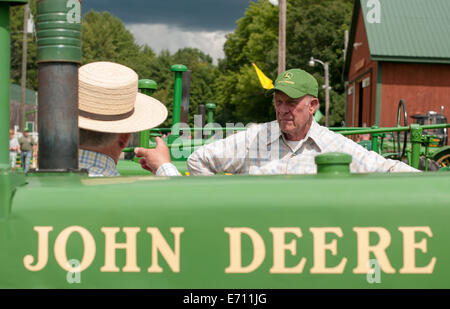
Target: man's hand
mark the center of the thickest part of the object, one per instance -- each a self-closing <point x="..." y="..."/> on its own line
<point x="152" y="159"/>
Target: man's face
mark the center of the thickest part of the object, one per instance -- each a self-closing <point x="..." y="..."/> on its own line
<point x="294" y="115"/>
<point x="25" y="133"/>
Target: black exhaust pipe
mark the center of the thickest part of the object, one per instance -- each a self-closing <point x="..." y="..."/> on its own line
<point x="59" y="55"/>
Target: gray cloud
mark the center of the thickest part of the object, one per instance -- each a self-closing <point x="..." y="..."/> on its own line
<point x="189" y="15"/>
<point x="172" y="38"/>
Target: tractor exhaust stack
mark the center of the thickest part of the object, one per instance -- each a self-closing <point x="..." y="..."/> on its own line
<point x="59" y="54"/>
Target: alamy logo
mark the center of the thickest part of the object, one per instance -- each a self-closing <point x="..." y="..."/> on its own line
<point x="374" y="14"/>
<point x="374" y="274"/>
<point x="73" y="276"/>
<point x="74" y="14"/>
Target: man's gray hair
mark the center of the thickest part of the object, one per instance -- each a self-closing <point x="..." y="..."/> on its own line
<point x="93" y="138"/>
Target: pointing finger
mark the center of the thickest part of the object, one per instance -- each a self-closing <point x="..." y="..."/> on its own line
<point x="139" y="151"/>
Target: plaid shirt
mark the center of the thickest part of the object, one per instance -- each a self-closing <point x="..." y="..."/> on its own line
<point x="262" y="149"/>
<point x="97" y="164"/>
<point x="167" y="169"/>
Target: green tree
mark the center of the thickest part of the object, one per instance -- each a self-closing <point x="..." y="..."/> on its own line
<point x="226" y="97"/>
<point x="239" y="95"/>
<point x="105" y="38"/>
<point x="16" y="18"/>
<point x="145" y="57"/>
<point x="203" y="76"/>
<point x="317" y="28"/>
<point x="160" y="72"/>
<point x="242" y="99"/>
<point x="253" y="40"/>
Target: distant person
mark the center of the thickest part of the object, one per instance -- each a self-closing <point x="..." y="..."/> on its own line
<point x="14" y="149"/>
<point x="110" y="109"/>
<point x="26" y="143"/>
<point x="363" y="137"/>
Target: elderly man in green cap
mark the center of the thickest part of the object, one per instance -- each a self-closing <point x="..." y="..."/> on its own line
<point x="289" y="144"/>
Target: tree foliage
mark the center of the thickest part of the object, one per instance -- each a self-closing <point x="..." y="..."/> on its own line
<point x="16" y="26"/>
<point x="105" y="38"/>
<point x="240" y="97"/>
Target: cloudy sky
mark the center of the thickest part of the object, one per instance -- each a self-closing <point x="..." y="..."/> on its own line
<point x="174" y="24"/>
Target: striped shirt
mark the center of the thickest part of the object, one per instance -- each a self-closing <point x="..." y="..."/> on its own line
<point x="262" y="149"/>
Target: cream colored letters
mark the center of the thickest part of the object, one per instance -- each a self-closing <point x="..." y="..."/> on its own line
<point x="259" y="250"/>
<point x="321" y="247"/>
<point x="42" y="249"/>
<point x="172" y="257"/>
<point x="111" y="246"/>
<point x="409" y="250"/>
<point x="279" y="247"/>
<point x="379" y="250"/>
<point x="61" y="243"/>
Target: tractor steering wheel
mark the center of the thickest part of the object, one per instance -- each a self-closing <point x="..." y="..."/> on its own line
<point x="401" y="104"/>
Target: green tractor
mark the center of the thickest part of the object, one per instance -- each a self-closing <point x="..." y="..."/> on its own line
<point x="61" y="229"/>
<point x="438" y="151"/>
<point x="434" y="149"/>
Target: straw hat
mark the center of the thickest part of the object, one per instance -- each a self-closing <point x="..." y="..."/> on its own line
<point x="109" y="100"/>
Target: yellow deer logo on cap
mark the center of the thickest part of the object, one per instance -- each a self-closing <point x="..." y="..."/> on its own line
<point x="287" y="75"/>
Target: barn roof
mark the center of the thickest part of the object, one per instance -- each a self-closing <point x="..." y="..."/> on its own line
<point x="408" y="31"/>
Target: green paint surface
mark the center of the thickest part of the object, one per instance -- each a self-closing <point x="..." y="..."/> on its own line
<point x="205" y="206"/>
<point x="4" y="84"/>
<point x="58" y="30"/>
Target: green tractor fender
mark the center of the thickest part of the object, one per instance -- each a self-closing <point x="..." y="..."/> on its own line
<point x="442" y="156"/>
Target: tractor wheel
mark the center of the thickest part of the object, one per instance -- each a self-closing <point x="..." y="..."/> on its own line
<point x="433" y="166"/>
<point x="444" y="161"/>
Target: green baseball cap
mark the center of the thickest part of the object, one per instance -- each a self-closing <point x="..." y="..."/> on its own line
<point x="295" y="83"/>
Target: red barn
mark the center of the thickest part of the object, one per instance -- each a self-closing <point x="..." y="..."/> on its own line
<point x="398" y="49"/>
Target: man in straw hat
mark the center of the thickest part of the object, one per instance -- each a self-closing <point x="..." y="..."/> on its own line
<point x="110" y="109"/>
<point x="289" y="144"/>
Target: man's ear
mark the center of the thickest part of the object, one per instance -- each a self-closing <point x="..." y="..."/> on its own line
<point x="313" y="105"/>
<point x="123" y="139"/>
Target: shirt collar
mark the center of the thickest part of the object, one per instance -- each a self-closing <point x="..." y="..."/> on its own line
<point x="99" y="160"/>
<point x="274" y="132"/>
<point x="313" y="133"/>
